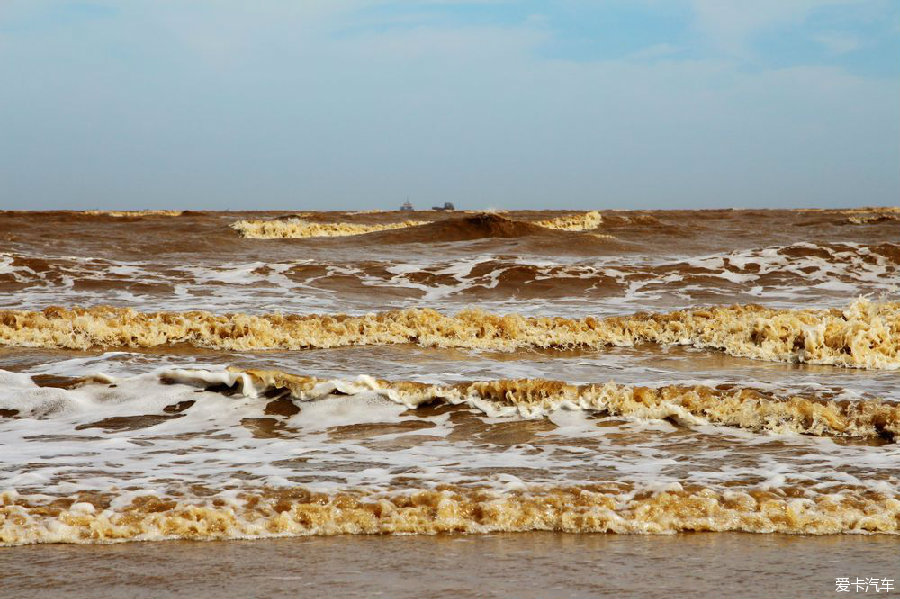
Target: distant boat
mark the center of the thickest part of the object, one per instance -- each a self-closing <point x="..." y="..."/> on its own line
<point x="448" y="206"/>
<point x="406" y="206"/>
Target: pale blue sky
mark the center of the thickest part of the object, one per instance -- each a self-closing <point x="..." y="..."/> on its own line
<point x="351" y="104"/>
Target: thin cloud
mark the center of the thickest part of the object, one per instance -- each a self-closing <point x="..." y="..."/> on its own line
<point x="838" y="43"/>
<point x="731" y="25"/>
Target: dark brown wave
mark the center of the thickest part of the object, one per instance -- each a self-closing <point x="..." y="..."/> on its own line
<point x="207" y="235"/>
<point x="479" y="226"/>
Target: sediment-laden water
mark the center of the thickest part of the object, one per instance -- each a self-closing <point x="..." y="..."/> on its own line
<point x="187" y="375"/>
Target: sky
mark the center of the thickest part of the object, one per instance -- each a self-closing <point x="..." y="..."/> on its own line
<point x="354" y="104"/>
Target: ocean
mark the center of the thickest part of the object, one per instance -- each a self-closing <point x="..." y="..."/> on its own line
<point x="564" y="394"/>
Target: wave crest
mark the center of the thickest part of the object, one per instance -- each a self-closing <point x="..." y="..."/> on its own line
<point x="866" y="216"/>
<point x="578" y="222"/>
<point x="537" y="398"/>
<point x="864" y="335"/>
<point x="303" y="229"/>
<point x="297" y="511"/>
<point x="475" y="226"/>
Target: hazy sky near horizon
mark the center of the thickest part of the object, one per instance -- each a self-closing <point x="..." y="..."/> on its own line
<point x="352" y="104"/>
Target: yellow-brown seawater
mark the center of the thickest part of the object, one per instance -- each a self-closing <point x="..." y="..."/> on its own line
<point x="291" y="374"/>
<point x="863" y="335"/>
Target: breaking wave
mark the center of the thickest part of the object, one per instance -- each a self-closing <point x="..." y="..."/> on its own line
<point x="167" y="443"/>
<point x="203" y="509"/>
<point x="578" y="222"/>
<point x="536" y="398"/>
<point x="298" y="511"/>
<point x="686" y="405"/>
<point x="867" y="216"/>
<point x="863" y="335"/>
<point x="479" y="225"/>
<point x="302" y="229"/>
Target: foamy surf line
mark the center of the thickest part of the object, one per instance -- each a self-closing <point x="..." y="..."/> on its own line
<point x="537" y="398"/>
<point x="266" y="513"/>
<point x="577" y="222"/>
<point x="299" y="228"/>
<point x="863" y="335"/>
<point x="682" y="405"/>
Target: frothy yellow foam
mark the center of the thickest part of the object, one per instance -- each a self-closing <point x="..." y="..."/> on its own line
<point x="536" y="398"/>
<point x="578" y="222"/>
<point x="864" y="216"/>
<point x="294" y="512"/>
<point x="297" y="228"/>
<point x="864" y="335"/>
<point x="301" y="229"/>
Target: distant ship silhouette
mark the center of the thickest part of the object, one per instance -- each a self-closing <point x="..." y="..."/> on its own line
<point x="448" y="206"/>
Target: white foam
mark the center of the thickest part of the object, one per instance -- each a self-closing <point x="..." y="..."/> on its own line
<point x="770" y="273"/>
<point x="338" y="442"/>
